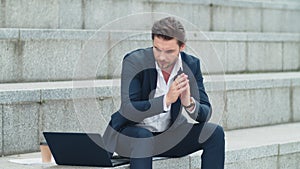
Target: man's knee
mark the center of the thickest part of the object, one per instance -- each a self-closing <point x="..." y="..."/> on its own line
<point x="136" y="132"/>
<point x="212" y="133"/>
<point x="143" y="133"/>
<point x="132" y="143"/>
<point x="219" y="134"/>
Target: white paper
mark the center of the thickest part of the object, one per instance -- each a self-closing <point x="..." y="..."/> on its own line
<point x="30" y="161"/>
<point x="159" y="158"/>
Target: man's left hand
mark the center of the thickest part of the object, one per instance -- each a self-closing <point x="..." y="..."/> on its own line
<point x="183" y="81"/>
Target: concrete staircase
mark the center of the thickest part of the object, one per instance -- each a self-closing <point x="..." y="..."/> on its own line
<point x="246" y="148"/>
<point x="60" y="65"/>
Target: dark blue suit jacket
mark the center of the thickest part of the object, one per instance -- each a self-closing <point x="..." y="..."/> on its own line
<point x="138" y="84"/>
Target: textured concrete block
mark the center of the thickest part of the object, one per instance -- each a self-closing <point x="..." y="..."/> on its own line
<point x="291" y="56"/>
<point x="264" y="56"/>
<point x="273" y="20"/>
<point x="296" y="105"/>
<point x="79" y="115"/>
<point x="59" y="116"/>
<point x="198" y="17"/>
<point x="218" y="101"/>
<point x="290" y="161"/>
<point x="106" y="107"/>
<point x="228" y="18"/>
<point x="253" y="19"/>
<point x="10" y="60"/>
<point x="2" y="14"/>
<point x="221" y="51"/>
<point x="94" y="114"/>
<point x="221" y="16"/>
<point x="59" y="94"/>
<point x="95" y="60"/>
<point x="79" y="89"/>
<point x="50" y="60"/>
<point x="117" y="52"/>
<point x="195" y="160"/>
<point x="212" y="55"/>
<point x="19" y="96"/>
<point x="70" y="14"/>
<point x="9" y="34"/>
<point x="111" y="90"/>
<point x="1" y="131"/>
<point x="100" y="13"/>
<point x="236" y="57"/>
<point x="270" y="20"/>
<point x="56" y="34"/>
<point x="31" y="14"/>
<point x="238" y="20"/>
<point x="174" y="163"/>
<point x="289" y="148"/>
<point x="70" y="93"/>
<point x="245" y="19"/>
<point x="267" y="162"/>
<point x="291" y="21"/>
<point x="251" y="153"/>
<point x="257" y="107"/>
<point x="116" y="102"/>
<point x="20" y="128"/>
<point x="259" y="81"/>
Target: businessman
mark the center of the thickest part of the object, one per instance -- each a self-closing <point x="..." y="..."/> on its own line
<point x="159" y="85"/>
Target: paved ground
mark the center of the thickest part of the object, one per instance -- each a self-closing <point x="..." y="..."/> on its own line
<point x="252" y="142"/>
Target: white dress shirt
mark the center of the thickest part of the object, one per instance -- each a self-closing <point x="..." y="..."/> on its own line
<point x="161" y="122"/>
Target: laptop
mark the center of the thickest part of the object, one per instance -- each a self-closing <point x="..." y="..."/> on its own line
<point x="80" y="149"/>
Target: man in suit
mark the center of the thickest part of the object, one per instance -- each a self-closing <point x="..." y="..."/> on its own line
<point x="159" y="84"/>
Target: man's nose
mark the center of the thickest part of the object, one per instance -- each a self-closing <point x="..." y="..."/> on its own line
<point x="161" y="55"/>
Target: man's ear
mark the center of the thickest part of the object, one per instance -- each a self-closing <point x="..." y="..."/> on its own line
<point x="182" y="47"/>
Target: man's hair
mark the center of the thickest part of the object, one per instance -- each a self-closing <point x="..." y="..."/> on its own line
<point x="169" y="28"/>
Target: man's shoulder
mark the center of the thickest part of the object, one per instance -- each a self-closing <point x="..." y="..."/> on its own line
<point x="139" y="54"/>
<point x="189" y="59"/>
<point x="140" y="59"/>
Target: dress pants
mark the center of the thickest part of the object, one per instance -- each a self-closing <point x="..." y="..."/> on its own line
<point x="213" y="147"/>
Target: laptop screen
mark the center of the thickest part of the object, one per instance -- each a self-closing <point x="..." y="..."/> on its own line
<point x="83" y="149"/>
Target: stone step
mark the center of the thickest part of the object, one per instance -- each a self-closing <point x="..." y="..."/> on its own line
<point x="262" y="147"/>
<point x="207" y="15"/>
<point x="239" y="101"/>
<point x="34" y="55"/>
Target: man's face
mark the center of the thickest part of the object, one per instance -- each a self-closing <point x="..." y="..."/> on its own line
<point x="166" y="52"/>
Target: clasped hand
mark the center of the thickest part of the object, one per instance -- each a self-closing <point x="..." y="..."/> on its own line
<point x="179" y="88"/>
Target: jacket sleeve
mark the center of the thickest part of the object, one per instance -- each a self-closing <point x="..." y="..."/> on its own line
<point x="134" y="106"/>
<point x="203" y="109"/>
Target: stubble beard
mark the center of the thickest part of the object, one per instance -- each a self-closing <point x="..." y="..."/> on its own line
<point x="167" y="67"/>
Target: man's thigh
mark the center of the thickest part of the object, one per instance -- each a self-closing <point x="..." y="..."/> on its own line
<point x="188" y="144"/>
<point x="194" y="140"/>
<point x="135" y="142"/>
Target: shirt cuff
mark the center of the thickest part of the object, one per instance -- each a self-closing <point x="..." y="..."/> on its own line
<point x="166" y="108"/>
<point x="192" y="111"/>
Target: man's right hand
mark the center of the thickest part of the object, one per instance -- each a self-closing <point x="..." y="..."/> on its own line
<point x="180" y="84"/>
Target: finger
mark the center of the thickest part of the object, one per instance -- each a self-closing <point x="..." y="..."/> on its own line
<point x="183" y="89"/>
<point x="183" y="83"/>
<point x="178" y="77"/>
<point x="182" y="77"/>
<point x="179" y="90"/>
<point x="176" y="81"/>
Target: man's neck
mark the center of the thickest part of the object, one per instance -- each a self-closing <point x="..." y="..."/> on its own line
<point x="169" y="69"/>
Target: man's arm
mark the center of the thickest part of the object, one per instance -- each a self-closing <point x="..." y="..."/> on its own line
<point x="134" y="106"/>
<point x="202" y="111"/>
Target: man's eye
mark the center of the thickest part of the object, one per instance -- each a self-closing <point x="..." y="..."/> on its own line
<point x="158" y="50"/>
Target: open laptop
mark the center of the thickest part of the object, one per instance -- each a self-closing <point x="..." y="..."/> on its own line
<point x="82" y="149"/>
